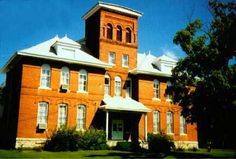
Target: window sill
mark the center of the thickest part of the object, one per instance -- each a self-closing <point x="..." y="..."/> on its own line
<point x="46" y="88"/>
<point x="183" y="134"/>
<point x="125" y="66"/>
<point x="156" y="99"/>
<point x="84" y="92"/>
<point x="172" y="134"/>
<point x="168" y="100"/>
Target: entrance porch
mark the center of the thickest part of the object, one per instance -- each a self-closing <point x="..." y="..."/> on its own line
<point x="122" y="116"/>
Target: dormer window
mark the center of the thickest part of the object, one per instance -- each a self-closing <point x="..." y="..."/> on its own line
<point x="128" y="35"/>
<point x="109" y="31"/>
<point x="119" y="33"/>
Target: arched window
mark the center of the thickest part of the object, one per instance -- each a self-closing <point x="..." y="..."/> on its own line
<point x="183" y="125"/>
<point x="81" y="117"/>
<point x="119" y="33"/>
<point x="156" y="121"/>
<point x="45" y="76"/>
<point x="83" y="80"/>
<point x="168" y="96"/>
<point x="156" y="89"/>
<point x="170" y="122"/>
<point x="128" y="35"/>
<point x="109" y="31"/>
<point x="107" y="84"/>
<point x="128" y="86"/>
<point x="65" y="75"/>
<point x="117" y="86"/>
<point x="42" y="117"/>
<point x="62" y="115"/>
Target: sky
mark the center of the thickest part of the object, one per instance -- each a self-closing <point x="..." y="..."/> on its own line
<point x="25" y="23"/>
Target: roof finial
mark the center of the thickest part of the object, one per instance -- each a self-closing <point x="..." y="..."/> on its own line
<point x="149" y="52"/>
<point x="66" y="35"/>
<point x="56" y="36"/>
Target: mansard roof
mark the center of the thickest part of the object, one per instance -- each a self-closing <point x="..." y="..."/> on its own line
<point x="58" y="49"/>
<point x="112" y="7"/>
<point x="152" y="65"/>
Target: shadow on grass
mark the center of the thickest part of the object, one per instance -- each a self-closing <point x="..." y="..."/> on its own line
<point x="151" y="155"/>
<point x="129" y="155"/>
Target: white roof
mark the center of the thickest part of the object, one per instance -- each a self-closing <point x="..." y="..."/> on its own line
<point x="113" y="7"/>
<point x="147" y="64"/>
<point x="44" y="51"/>
<point x="117" y="103"/>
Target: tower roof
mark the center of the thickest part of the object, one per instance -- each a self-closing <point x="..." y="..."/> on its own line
<point x="112" y="7"/>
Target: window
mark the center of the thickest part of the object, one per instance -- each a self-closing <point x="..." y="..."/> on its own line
<point x="45" y="76"/>
<point x="156" y="88"/>
<point x="81" y="117"/>
<point x="112" y="58"/>
<point x="107" y="85"/>
<point x="83" y="80"/>
<point x="62" y="115"/>
<point x="109" y="31"/>
<point x="119" y="33"/>
<point x="128" y="35"/>
<point x="183" y="125"/>
<point x="168" y="96"/>
<point x="170" y="123"/>
<point x="156" y="121"/>
<point x="125" y="60"/>
<point x="65" y="75"/>
<point x="128" y="88"/>
<point x="42" y="117"/>
<point x="117" y="86"/>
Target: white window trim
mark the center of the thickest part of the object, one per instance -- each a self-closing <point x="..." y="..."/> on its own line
<point x="67" y="71"/>
<point x="109" y="85"/>
<point x="158" y="126"/>
<point x="64" y="105"/>
<point x="172" y="124"/>
<point x="183" y="133"/>
<point x="46" y="113"/>
<point x="123" y="61"/>
<point x="114" y="58"/>
<point x="118" y="79"/>
<point x="168" y="99"/>
<point x="46" y="67"/>
<point x="155" y="81"/>
<point x="130" y="94"/>
<point x="84" y="73"/>
<point x="84" y="113"/>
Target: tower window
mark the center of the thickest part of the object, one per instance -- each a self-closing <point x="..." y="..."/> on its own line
<point x="128" y="35"/>
<point x="119" y="33"/>
<point x="109" y="31"/>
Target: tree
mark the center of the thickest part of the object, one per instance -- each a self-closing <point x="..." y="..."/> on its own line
<point x="204" y="82"/>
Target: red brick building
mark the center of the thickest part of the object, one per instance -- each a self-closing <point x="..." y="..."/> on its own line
<point x="100" y="81"/>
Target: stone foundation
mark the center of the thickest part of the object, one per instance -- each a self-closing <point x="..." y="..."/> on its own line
<point x="29" y="142"/>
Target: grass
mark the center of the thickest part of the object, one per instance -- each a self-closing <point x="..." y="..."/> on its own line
<point x="114" y="154"/>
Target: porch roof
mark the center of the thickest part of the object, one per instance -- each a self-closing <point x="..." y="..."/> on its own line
<point x="123" y="104"/>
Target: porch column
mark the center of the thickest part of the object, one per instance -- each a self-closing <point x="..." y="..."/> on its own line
<point x="145" y="126"/>
<point x="107" y="124"/>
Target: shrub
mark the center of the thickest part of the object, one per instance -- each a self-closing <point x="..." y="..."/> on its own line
<point x="64" y="139"/>
<point x="160" y="143"/>
<point x="92" y="139"/>
<point x="128" y="146"/>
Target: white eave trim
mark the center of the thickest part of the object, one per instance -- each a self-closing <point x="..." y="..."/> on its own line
<point x="113" y="7"/>
<point x="135" y="72"/>
<point x="65" y="60"/>
<point x="4" y="69"/>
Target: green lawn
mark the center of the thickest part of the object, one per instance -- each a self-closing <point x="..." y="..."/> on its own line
<point x="113" y="154"/>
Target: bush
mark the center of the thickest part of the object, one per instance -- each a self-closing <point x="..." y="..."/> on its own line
<point x="128" y="146"/>
<point x="68" y="139"/>
<point x="92" y="139"/>
<point x="64" y="139"/>
<point x="160" y="143"/>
